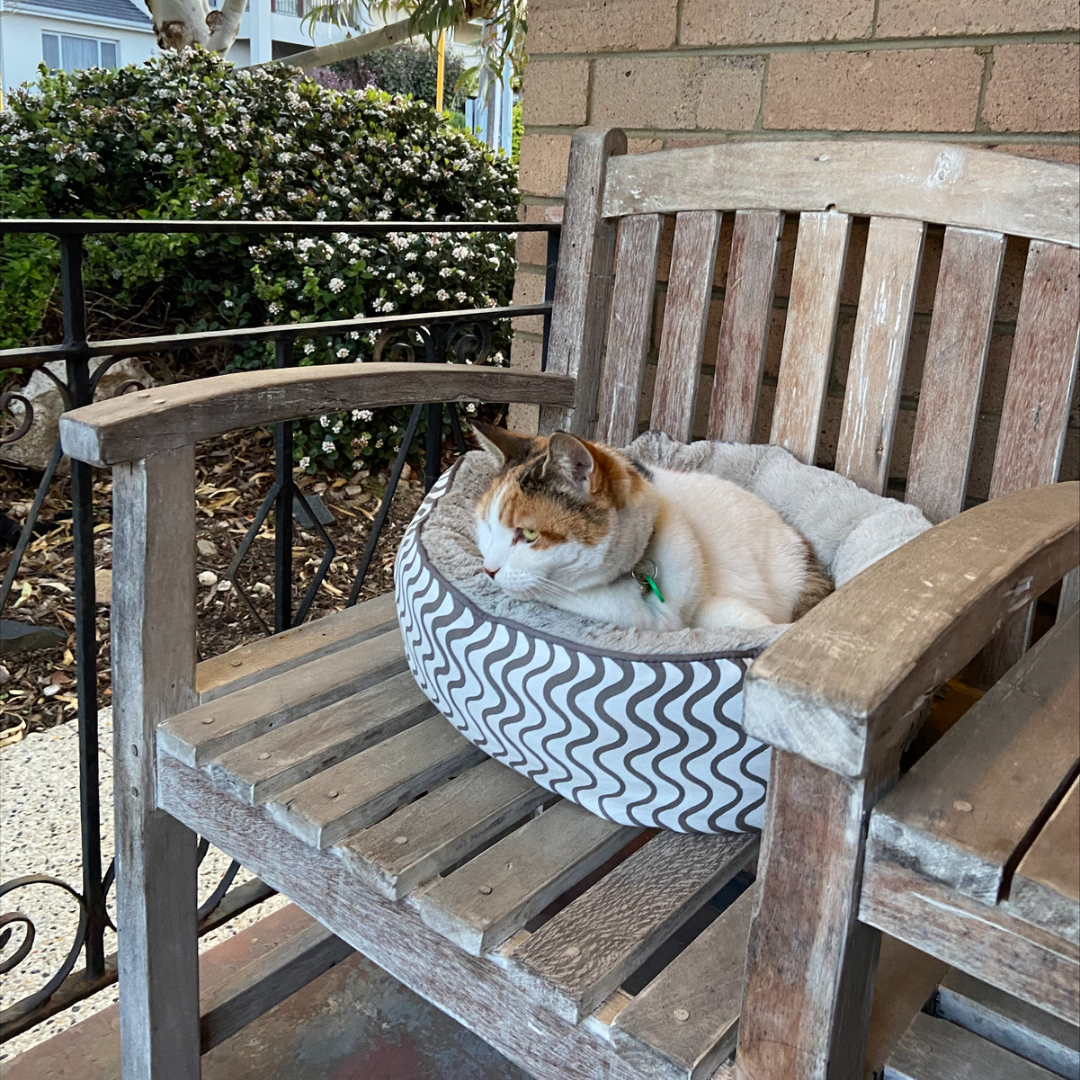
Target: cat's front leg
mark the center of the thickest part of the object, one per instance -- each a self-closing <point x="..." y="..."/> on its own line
<point x="621" y="604"/>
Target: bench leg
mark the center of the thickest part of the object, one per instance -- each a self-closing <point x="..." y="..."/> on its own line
<point x="153" y="655"/>
<point x="811" y="964"/>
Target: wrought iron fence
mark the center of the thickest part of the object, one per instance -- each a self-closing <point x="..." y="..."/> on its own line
<point x="440" y="335"/>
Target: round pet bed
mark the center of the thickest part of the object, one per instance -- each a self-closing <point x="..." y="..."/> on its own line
<point x="640" y="727"/>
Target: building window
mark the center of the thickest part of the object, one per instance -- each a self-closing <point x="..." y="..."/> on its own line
<point x="74" y="53"/>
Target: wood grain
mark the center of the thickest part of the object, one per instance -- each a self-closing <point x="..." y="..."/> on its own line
<point x="686" y="314"/>
<point x="207" y="731"/>
<point x="629" y="329"/>
<point x="153" y="667"/>
<point x="810" y="964"/>
<point x="879" y="350"/>
<point x="847" y="676"/>
<point x="363" y="789"/>
<point x="744" y="325"/>
<point x="262" y="659"/>
<point x="687" y="1018"/>
<point x="579" y="957"/>
<point x="493" y="895"/>
<point x="137" y="425"/>
<point x="953" y="185"/>
<point x="1010" y="1023"/>
<point x="263" y="767"/>
<point x="984" y="940"/>
<point x="809" y="333"/>
<point x="956" y="352"/>
<point x="1042" y="373"/>
<point x="254" y="989"/>
<point x="1046" y="887"/>
<point x="583" y="283"/>
<point x="475" y="991"/>
<point x="965" y="813"/>
<point x="425" y="837"/>
<point x="937" y="1050"/>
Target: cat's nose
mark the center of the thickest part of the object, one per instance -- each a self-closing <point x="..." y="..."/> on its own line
<point x="490" y="573"/>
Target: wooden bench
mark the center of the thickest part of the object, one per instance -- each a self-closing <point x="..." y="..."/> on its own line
<point x="578" y="948"/>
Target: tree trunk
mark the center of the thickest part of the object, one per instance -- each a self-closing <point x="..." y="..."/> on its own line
<point x="180" y="24"/>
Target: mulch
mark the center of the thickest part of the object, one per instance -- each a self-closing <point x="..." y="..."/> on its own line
<point x="233" y="475"/>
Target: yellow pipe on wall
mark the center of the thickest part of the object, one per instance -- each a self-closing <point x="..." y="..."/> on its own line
<point x="440" y="72"/>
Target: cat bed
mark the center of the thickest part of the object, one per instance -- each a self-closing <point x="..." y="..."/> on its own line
<point x="638" y="726"/>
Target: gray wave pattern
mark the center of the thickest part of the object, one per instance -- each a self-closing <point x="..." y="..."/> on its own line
<point x="640" y="742"/>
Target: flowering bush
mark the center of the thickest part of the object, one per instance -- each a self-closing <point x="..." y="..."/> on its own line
<point x="190" y="136"/>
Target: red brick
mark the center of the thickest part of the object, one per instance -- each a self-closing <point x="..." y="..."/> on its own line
<point x="556" y="93"/>
<point x="543" y="164"/>
<point x="929" y="18"/>
<point x="678" y="92"/>
<point x="532" y="246"/>
<point x="905" y="90"/>
<point x="1034" y="88"/>
<point x="748" y="22"/>
<point x="577" y="26"/>
<point x="529" y="289"/>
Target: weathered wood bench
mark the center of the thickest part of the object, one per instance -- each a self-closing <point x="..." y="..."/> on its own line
<point x="313" y="760"/>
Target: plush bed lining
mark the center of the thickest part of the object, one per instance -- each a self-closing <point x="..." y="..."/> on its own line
<point x="849" y="529"/>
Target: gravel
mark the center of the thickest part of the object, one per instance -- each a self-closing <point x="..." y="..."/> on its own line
<point x="40" y="826"/>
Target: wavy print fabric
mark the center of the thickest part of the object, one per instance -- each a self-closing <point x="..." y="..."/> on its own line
<point x="639" y="740"/>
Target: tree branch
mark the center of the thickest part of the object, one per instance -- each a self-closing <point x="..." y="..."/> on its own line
<point x="349" y="47"/>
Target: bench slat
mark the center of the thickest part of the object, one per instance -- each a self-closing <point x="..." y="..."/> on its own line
<point x="1010" y="1023"/>
<point x="964" y="810"/>
<point x="262" y="768"/>
<point x="686" y="1020"/>
<point x="1046" y="887"/>
<point x="262" y="659"/>
<point x="494" y="895"/>
<point x="879" y="350"/>
<point x="576" y="960"/>
<point x="967" y="288"/>
<point x="361" y="790"/>
<point x="809" y="333"/>
<point x="207" y="731"/>
<point x="629" y="328"/>
<point x="686" y="315"/>
<point x="422" y="839"/>
<point x="744" y="325"/>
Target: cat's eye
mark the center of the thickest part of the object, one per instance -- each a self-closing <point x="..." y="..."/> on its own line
<point x="529" y="535"/>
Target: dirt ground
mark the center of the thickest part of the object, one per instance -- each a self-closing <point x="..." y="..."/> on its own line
<point x="233" y="475"/>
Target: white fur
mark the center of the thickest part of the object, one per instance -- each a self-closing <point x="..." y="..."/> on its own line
<point x="724" y="559"/>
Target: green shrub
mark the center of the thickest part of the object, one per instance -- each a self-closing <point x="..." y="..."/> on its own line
<point x="190" y="136"/>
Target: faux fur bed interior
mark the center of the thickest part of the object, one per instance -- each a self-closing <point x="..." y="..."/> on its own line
<point x="848" y="527"/>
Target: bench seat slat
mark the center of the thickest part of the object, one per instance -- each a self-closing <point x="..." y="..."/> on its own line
<point x="285" y="756"/>
<point x="426" y="836"/>
<point x="364" y="788"/>
<point x="262" y="659"/>
<point x="579" y="957"/>
<point x="207" y="731"/>
<point x="491" y="897"/>
<point x="964" y="810"/>
<point x="686" y="1020"/>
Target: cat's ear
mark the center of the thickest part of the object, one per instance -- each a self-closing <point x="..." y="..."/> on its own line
<point x="572" y="461"/>
<point x="507" y="447"/>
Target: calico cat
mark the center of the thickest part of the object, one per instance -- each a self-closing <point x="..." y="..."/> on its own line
<point x="580" y="526"/>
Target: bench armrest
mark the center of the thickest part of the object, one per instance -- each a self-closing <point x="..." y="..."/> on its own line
<point x="845" y="679"/>
<point x="150" y="422"/>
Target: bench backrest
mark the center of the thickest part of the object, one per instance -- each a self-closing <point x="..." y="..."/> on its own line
<point x="616" y="331"/>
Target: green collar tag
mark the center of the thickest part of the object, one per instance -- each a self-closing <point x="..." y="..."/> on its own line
<point x="644" y="573"/>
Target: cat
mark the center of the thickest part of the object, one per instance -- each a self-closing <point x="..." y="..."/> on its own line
<point x="580" y="526"/>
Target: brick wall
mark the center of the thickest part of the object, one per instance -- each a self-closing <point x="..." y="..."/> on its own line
<point x="1003" y="74"/>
